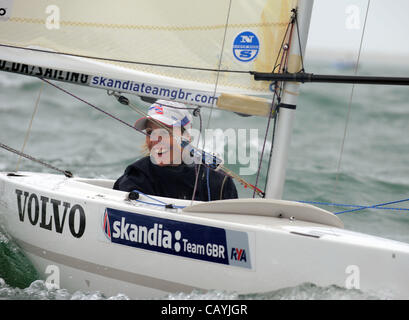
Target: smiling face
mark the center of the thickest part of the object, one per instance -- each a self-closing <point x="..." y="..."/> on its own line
<point x="163" y="148"/>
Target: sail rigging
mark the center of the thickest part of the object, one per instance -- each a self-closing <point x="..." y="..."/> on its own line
<point x="282" y="134"/>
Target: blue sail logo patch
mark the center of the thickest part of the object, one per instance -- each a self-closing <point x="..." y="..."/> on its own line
<point x="246" y="46"/>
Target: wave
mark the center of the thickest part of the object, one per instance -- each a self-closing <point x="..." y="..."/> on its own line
<point x="15" y="268"/>
<point x="41" y="290"/>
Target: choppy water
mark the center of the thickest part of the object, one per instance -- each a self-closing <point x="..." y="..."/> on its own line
<point x="374" y="168"/>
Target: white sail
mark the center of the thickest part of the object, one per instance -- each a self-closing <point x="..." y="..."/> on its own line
<point x="156" y="35"/>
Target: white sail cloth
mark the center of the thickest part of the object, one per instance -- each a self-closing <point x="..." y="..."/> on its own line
<point x="237" y="35"/>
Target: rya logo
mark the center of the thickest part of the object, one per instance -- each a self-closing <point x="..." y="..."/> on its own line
<point x="238" y="254"/>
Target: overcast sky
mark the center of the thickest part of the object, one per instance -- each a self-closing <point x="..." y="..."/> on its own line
<point x="338" y="25"/>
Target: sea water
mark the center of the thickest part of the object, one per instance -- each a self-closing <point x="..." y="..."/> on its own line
<point x="357" y="157"/>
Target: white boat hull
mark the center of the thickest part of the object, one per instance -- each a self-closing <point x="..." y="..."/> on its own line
<point x="87" y="236"/>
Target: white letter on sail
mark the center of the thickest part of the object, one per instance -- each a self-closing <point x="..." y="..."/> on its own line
<point x="352" y="21"/>
<point x="53" y="20"/>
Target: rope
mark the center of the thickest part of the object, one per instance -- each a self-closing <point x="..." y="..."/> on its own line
<point x="372" y="207"/>
<point x="282" y="43"/>
<point x="127" y="61"/>
<point x="160" y="204"/>
<point x="350" y="102"/>
<point x="152" y="198"/>
<point x="284" y="52"/>
<point x="264" y="142"/>
<point x="208" y="184"/>
<point x="214" y="93"/>
<point x="21" y="154"/>
<point x="93" y="106"/>
<point x="380" y="206"/>
<point x="299" y="40"/>
<point x="30" y="124"/>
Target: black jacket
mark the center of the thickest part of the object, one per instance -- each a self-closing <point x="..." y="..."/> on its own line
<point x="175" y="182"/>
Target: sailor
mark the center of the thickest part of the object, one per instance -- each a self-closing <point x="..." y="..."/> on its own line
<point x="168" y="171"/>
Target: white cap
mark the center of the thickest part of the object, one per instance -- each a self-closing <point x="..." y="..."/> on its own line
<point x="169" y="113"/>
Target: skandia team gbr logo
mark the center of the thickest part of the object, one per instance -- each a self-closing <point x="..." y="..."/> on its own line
<point x="184" y="239"/>
<point x="157" y="108"/>
<point x="246" y="46"/>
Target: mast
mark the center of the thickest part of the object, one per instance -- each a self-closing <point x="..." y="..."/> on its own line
<point x="285" y="117"/>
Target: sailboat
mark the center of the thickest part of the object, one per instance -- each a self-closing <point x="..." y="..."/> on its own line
<point x="210" y="54"/>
